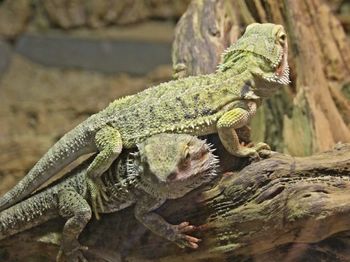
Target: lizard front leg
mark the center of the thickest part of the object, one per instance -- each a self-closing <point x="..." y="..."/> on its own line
<point x="234" y="119"/>
<point x="154" y="222"/>
<point x="109" y="143"/>
<point x="78" y="212"/>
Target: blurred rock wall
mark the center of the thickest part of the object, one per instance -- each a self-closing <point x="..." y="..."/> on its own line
<point x="16" y="16"/>
<point x="61" y="61"/>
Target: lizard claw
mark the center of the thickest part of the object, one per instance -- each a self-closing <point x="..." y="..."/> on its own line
<point x="183" y="240"/>
<point x="97" y="194"/>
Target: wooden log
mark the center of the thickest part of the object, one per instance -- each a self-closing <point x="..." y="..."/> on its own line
<point x="272" y="206"/>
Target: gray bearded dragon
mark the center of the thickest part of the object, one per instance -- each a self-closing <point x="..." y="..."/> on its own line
<point x="166" y="166"/>
<point x="252" y="68"/>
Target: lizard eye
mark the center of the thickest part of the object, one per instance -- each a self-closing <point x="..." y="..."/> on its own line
<point x="282" y="38"/>
<point x="172" y="176"/>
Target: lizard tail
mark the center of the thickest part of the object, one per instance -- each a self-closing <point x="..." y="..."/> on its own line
<point x="27" y="214"/>
<point x="72" y="145"/>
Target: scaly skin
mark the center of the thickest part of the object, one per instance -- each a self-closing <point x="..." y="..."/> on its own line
<point x="167" y="166"/>
<point x="251" y="69"/>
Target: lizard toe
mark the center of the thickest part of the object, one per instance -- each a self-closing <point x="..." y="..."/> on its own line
<point x="183" y="240"/>
<point x="262" y="146"/>
<point x="97" y="195"/>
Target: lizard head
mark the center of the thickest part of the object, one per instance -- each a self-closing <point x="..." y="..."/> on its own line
<point x="267" y="49"/>
<point x="174" y="164"/>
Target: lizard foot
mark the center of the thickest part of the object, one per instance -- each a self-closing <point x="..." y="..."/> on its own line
<point x="262" y="149"/>
<point x="261" y="146"/>
<point x="253" y="151"/>
<point x="72" y="255"/>
<point x="183" y="240"/>
<point x="245" y="151"/>
<point x="97" y="194"/>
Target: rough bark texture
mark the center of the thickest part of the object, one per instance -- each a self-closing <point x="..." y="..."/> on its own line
<point x="201" y="35"/>
<point x="319" y="73"/>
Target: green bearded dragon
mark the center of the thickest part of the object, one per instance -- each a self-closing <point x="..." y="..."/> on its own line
<point x="253" y="68"/>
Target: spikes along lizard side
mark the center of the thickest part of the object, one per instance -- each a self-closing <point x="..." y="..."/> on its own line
<point x="251" y="69"/>
<point x="166" y="166"/>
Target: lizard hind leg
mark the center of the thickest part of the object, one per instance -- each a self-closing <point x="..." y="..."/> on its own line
<point x="78" y="213"/>
<point x="109" y="143"/>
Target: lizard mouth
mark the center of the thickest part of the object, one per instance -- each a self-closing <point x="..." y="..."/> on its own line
<point x="282" y="69"/>
<point x="281" y="72"/>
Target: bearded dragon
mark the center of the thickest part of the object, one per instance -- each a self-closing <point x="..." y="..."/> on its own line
<point x="166" y="166"/>
<point x="252" y="68"/>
